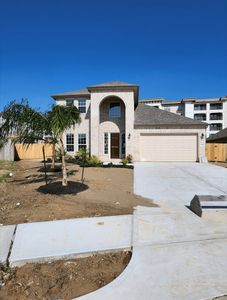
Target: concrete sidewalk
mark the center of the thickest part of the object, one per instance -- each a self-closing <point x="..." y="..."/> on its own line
<point x="45" y="241"/>
<point x="188" y="263"/>
<point x="6" y="239"/>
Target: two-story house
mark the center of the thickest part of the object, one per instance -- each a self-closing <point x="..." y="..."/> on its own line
<point x="114" y="124"/>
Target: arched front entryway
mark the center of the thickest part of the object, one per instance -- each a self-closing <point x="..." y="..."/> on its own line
<point x="112" y="128"/>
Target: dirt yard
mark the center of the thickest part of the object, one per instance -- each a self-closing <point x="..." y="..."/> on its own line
<point x="24" y="197"/>
<point x="62" y="279"/>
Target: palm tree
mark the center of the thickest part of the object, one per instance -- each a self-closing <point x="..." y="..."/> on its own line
<point x="61" y="118"/>
<point x="26" y="125"/>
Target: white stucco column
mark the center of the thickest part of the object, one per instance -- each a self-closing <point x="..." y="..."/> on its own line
<point x="94" y="129"/>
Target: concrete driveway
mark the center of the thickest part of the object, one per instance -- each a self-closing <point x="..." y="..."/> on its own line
<point x="175" y="184"/>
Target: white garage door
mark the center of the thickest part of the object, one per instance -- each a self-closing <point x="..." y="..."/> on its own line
<point x="168" y="147"/>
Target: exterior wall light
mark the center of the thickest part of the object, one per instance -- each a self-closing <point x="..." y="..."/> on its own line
<point x="202" y="136"/>
<point x="129" y="136"/>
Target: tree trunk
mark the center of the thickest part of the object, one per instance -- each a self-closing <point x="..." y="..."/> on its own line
<point x="53" y="156"/>
<point x="64" y="172"/>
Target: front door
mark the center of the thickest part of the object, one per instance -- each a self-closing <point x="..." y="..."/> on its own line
<point x="115" y="145"/>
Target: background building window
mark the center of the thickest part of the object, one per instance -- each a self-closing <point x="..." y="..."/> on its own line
<point x="115" y="110"/>
<point x="69" y="102"/>
<point x="106" y="143"/>
<point x="216" y="116"/>
<point x="200" y="117"/>
<point x="82" y="144"/>
<point x="215" y="127"/>
<point x="82" y="105"/>
<point x="216" y="106"/>
<point x="69" y="142"/>
<point x="200" y="106"/>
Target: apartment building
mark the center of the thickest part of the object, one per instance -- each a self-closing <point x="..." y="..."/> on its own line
<point x="213" y="111"/>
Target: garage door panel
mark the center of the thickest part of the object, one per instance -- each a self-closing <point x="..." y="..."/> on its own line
<point x="168" y="147"/>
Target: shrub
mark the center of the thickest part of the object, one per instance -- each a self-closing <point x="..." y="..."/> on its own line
<point x="124" y="161"/>
<point x="94" y="161"/>
<point x="59" y="154"/>
<point x="82" y="155"/>
<point x="129" y="158"/>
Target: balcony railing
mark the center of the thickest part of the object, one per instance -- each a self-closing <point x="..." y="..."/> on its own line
<point x="216" y="117"/>
<point x="215" y="127"/>
<point x="200" y="117"/>
<point x="200" y="107"/>
<point x="214" y="106"/>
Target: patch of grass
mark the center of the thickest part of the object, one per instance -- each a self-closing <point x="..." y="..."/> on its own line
<point x="7" y="165"/>
<point x="4" y="178"/>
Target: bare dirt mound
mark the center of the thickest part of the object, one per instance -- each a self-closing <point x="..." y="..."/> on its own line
<point x="62" y="279"/>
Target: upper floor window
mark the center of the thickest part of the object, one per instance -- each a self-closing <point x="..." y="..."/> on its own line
<point x="216" y="106"/>
<point x="115" y="110"/>
<point x="214" y="127"/>
<point x="200" y="117"/>
<point x="82" y="143"/>
<point x="216" y="116"/>
<point x="82" y="105"/>
<point x="200" y="106"/>
<point x="69" y="102"/>
<point x="69" y="142"/>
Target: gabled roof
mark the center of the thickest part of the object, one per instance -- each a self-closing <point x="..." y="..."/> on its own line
<point x="86" y="92"/>
<point x="146" y="115"/>
<point x="83" y="92"/>
<point x="113" y="84"/>
<point x="219" y="137"/>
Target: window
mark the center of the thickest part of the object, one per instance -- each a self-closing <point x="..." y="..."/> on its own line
<point x="123" y="144"/>
<point x="200" y="117"/>
<point x="115" y="110"/>
<point x="216" y="106"/>
<point x="82" y="141"/>
<point x="215" y="127"/>
<point x="167" y="108"/>
<point x="69" y="102"/>
<point x="200" y="106"/>
<point x="216" y="116"/>
<point x="82" y="105"/>
<point x="106" y="143"/>
<point x="69" y="142"/>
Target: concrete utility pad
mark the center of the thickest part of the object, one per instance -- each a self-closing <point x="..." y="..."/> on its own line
<point x="6" y="236"/>
<point x="67" y="238"/>
<point x="177" y="183"/>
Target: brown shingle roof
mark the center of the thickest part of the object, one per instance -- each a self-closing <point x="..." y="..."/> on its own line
<point x="219" y="137"/>
<point x="146" y="115"/>
<point x="113" y="84"/>
<point x="83" y="92"/>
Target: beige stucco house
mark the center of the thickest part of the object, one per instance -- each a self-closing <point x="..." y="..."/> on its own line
<point x="114" y="124"/>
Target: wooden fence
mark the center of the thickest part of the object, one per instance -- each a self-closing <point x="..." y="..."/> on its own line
<point x="216" y="152"/>
<point x="33" y="151"/>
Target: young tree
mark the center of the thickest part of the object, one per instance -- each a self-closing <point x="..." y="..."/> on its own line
<point x="26" y="125"/>
<point x="61" y="118"/>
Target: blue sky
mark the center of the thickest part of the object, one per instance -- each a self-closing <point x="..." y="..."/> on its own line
<point x="171" y="48"/>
